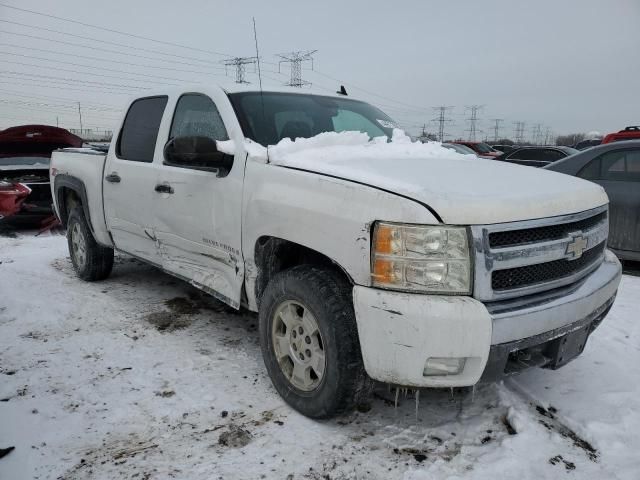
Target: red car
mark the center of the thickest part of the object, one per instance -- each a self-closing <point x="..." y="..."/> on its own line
<point x="482" y="149"/>
<point x="25" y="152"/>
<point x="11" y="197"/>
<point x="629" y="133"/>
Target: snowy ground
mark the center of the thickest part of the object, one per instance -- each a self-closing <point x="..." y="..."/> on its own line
<point x="142" y="377"/>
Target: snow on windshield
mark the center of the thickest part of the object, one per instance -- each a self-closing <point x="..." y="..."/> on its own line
<point x="329" y="147"/>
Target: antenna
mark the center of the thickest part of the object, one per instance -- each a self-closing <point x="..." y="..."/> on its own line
<point x="264" y="116"/>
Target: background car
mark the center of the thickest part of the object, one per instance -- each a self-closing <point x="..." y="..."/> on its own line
<point x="482" y="149"/>
<point x="539" y="156"/>
<point x="463" y="149"/>
<point x="584" y="144"/>
<point x="501" y="147"/>
<point x="629" y="133"/>
<point x="616" y="167"/>
<point x="25" y="153"/>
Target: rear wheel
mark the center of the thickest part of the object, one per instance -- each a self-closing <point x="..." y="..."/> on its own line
<point x="310" y="341"/>
<point x="91" y="261"/>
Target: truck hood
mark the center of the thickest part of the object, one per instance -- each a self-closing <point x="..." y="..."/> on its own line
<point x="461" y="190"/>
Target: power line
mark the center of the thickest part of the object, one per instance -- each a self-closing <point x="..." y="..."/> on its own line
<point x="107" y="42"/>
<point x="90" y="66"/>
<point x="68" y="86"/>
<point x="72" y="80"/>
<point x="132" y="35"/>
<point x="239" y="64"/>
<point x="75" y="55"/>
<point x="62" y="42"/>
<point x="296" y="59"/>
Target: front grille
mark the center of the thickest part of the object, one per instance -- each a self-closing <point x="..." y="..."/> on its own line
<point x="543" y="272"/>
<point x="511" y="238"/>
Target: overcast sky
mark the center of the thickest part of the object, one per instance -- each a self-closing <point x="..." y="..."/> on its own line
<point x="567" y="65"/>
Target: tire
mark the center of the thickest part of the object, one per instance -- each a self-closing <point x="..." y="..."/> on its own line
<point x="91" y="261"/>
<point x="302" y="294"/>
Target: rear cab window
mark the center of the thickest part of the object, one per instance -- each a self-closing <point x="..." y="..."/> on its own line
<point x="137" y="140"/>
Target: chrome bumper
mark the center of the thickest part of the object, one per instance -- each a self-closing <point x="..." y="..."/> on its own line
<point x="513" y="322"/>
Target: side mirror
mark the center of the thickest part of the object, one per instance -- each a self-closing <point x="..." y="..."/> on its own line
<point x="200" y="153"/>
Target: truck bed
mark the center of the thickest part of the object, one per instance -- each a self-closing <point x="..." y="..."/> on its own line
<point x="81" y="169"/>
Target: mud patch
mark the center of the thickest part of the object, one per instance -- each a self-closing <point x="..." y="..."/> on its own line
<point x="182" y="306"/>
<point x="167" y="321"/>
<point x="235" y="437"/>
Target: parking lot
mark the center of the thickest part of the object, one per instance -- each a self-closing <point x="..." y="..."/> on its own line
<point x="142" y="376"/>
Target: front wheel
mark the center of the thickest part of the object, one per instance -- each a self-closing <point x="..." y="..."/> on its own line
<point x="310" y="341"/>
<point x="91" y="261"/>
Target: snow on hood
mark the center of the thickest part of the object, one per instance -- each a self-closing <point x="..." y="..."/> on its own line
<point x="462" y="189"/>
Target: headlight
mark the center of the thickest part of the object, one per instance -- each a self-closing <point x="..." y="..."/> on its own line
<point x="421" y="258"/>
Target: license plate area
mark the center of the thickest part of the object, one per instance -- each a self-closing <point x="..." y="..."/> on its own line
<point x="564" y="349"/>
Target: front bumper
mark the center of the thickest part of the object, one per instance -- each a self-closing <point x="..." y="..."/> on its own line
<point x="399" y="331"/>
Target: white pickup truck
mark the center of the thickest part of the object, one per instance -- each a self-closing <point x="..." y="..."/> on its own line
<point x="366" y="255"/>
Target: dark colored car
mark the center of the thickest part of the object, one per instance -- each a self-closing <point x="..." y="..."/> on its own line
<point x="456" y="147"/>
<point x="503" y="148"/>
<point x="616" y="167"/>
<point x="482" y="149"/>
<point x="629" y="133"/>
<point x="25" y="153"/>
<point x="537" y="156"/>
<point x="584" y="144"/>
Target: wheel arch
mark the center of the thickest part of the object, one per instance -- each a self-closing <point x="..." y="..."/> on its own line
<point x="273" y="255"/>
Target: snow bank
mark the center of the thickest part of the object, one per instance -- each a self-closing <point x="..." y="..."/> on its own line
<point x="336" y="146"/>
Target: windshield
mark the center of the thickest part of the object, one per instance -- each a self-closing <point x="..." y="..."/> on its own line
<point x="15" y="161"/>
<point x="483" y="148"/>
<point x="459" y="148"/>
<point x="290" y="115"/>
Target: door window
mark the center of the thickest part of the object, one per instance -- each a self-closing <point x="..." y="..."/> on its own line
<point x="137" y="141"/>
<point x="621" y="166"/>
<point x="197" y="116"/>
<point x="525" y="154"/>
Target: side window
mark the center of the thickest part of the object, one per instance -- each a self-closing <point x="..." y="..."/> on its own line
<point x="526" y="154"/>
<point x="551" y="155"/>
<point x="620" y="166"/>
<point x="137" y="140"/>
<point x="197" y="116"/>
<point x="346" y="120"/>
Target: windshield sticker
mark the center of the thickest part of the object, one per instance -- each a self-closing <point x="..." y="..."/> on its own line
<point x="387" y="123"/>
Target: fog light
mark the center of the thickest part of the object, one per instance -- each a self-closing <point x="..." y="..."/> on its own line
<point x="443" y="366"/>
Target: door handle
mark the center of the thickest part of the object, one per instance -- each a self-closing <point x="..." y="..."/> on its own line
<point x="113" y="178"/>
<point x="164" y="188"/>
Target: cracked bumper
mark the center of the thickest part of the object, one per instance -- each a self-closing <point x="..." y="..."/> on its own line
<point x="399" y="331"/>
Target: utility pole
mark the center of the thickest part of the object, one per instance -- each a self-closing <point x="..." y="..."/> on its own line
<point x="519" y="132"/>
<point x="57" y="125"/>
<point x="80" y="115"/>
<point x="473" y="121"/>
<point x="239" y="64"/>
<point x="442" y="119"/>
<point x="496" y="128"/>
<point x="296" y="59"/>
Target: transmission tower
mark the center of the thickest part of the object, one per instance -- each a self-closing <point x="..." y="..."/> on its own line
<point x="239" y="64"/>
<point x="473" y="121"/>
<point x="296" y="59"/>
<point x="496" y="128"/>
<point x="442" y="120"/>
<point x="519" y="132"/>
<point x="536" y="134"/>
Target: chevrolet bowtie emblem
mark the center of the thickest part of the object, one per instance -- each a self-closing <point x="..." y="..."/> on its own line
<point x="576" y="246"/>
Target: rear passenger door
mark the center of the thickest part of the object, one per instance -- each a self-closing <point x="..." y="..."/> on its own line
<point x="619" y="173"/>
<point x="130" y="179"/>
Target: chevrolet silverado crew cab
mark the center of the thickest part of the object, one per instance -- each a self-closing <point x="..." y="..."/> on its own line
<point x="367" y="256"/>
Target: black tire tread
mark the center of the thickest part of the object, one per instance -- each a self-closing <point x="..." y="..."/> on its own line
<point x="99" y="259"/>
<point x="335" y="293"/>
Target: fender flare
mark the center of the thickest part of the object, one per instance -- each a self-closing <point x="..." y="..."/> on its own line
<point x="76" y="185"/>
